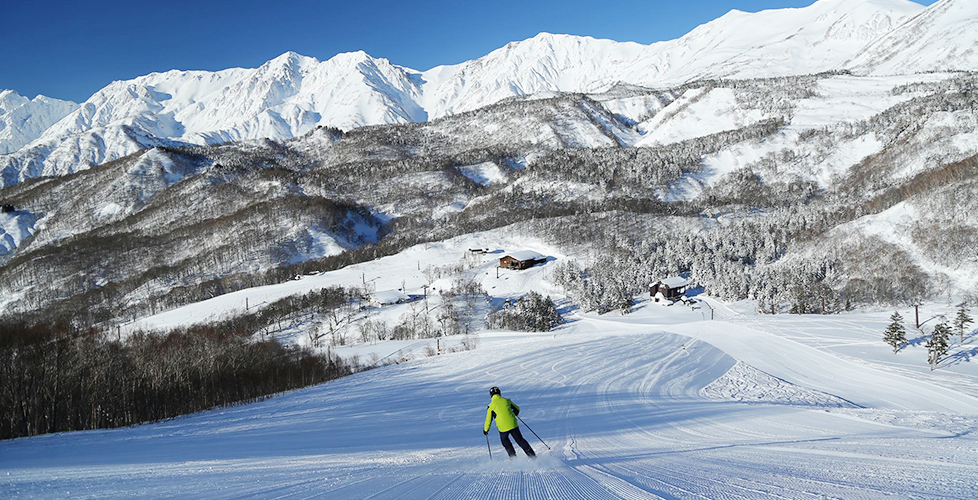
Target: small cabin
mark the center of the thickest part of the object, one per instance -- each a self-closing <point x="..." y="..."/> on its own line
<point x="478" y="251"/>
<point x="521" y="260"/>
<point x="669" y="288"/>
<point x="388" y="298"/>
<point x="6" y="209"/>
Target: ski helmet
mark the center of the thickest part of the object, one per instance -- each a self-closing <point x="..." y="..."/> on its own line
<point x="493" y="391"/>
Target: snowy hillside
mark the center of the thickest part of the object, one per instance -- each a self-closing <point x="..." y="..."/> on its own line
<point x="660" y="404"/>
<point x="292" y="94"/>
<point x="790" y="156"/>
<point x="942" y="38"/>
<point x="780" y="42"/>
<point x="22" y="120"/>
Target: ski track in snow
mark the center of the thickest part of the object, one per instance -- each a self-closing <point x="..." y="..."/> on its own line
<point x="622" y="405"/>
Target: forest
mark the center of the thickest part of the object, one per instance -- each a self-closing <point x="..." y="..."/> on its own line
<point x="60" y="378"/>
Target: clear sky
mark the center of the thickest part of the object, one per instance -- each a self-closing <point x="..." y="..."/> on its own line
<point x="70" y="49"/>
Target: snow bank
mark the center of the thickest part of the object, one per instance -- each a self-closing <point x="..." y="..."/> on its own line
<point x="747" y="384"/>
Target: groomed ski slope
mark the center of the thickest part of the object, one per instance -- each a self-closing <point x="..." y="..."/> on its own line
<point x="640" y="406"/>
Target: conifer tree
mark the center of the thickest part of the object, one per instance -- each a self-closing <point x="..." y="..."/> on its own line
<point x="938" y="344"/>
<point x="896" y="334"/>
<point x="962" y="320"/>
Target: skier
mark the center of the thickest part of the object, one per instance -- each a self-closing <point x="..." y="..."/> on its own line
<point x="505" y="412"/>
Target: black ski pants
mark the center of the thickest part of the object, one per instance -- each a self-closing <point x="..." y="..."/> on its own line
<point x="518" y="437"/>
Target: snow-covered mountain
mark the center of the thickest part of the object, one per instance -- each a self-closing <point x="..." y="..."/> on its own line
<point x="813" y="39"/>
<point x="292" y="94"/>
<point x="942" y="38"/>
<point x="284" y="98"/>
<point x="769" y="43"/>
<point x="22" y="120"/>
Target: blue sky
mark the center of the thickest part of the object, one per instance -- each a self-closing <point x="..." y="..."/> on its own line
<point x="70" y="49"/>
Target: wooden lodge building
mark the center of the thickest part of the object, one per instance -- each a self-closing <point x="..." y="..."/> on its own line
<point x="669" y="288"/>
<point x="521" y="260"/>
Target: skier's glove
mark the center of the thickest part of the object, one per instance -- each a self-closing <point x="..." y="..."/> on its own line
<point x="485" y="433"/>
<point x="516" y="411"/>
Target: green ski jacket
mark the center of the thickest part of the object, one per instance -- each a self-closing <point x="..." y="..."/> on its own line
<point x="504" y="411"/>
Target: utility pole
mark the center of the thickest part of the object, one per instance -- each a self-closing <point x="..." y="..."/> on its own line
<point x="711" y="310"/>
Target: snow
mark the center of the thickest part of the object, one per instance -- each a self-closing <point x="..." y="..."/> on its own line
<point x="524" y="255"/>
<point x="836" y="102"/>
<point x="749" y="385"/>
<point x="292" y="94"/>
<point x="634" y="109"/>
<point x="660" y="403"/>
<point x="657" y="404"/>
<point x="15" y="227"/>
<point x="404" y="271"/>
<point x="484" y="174"/>
<point x="697" y="113"/>
<point x="388" y="297"/>
<point x="22" y="120"/>
<point x="847" y="99"/>
<point x="941" y="38"/>
<point x="675" y="282"/>
<point x="109" y="210"/>
<point x="895" y="226"/>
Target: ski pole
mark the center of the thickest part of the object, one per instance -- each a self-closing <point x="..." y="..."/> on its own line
<point x="489" y="447"/>
<point x="534" y="433"/>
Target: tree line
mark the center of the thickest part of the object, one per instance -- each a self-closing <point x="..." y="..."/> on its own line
<point x="57" y="377"/>
<point x="938" y="344"/>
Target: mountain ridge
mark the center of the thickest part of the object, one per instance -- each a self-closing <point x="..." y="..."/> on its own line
<point x="941" y="38"/>
<point x="22" y="120"/>
<point x="292" y="94"/>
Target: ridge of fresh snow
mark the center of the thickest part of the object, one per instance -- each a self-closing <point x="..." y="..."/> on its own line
<point x="941" y="38"/>
<point x="782" y="42"/>
<point x="22" y="120"/>
<point x="777" y="42"/>
<point x="285" y="97"/>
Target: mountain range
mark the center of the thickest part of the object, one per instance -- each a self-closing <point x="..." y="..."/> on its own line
<point x="292" y="94"/>
<point x="799" y="157"/>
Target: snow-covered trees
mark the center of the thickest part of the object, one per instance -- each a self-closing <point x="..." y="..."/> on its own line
<point x="531" y="313"/>
<point x="938" y="343"/>
<point x="611" y="284"/>
<point x="962" y="320"/>
<point x="896" y="334"/>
